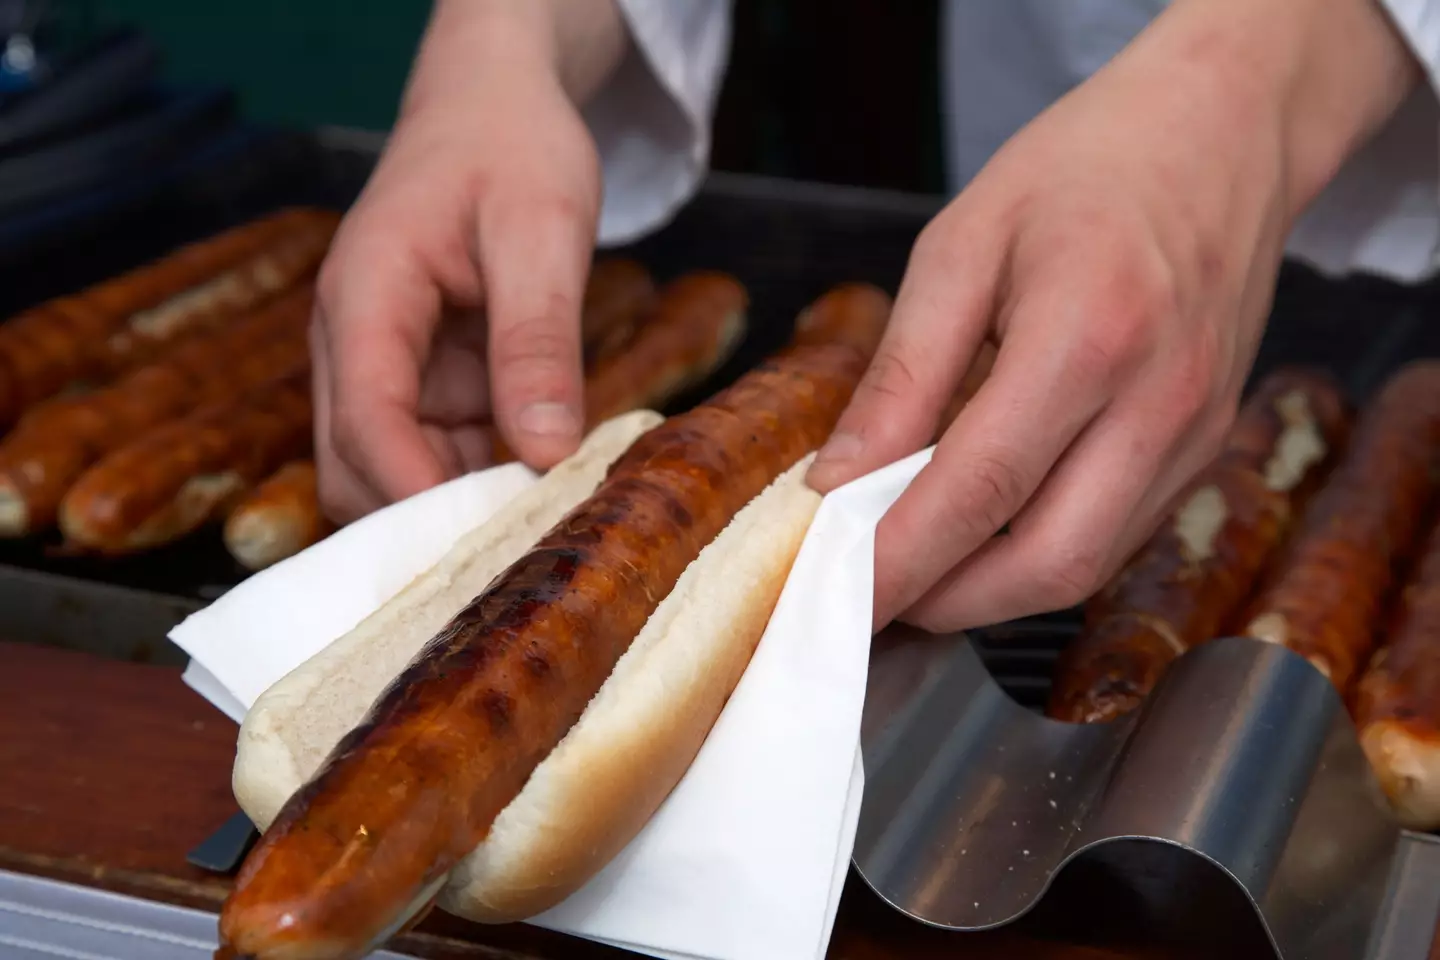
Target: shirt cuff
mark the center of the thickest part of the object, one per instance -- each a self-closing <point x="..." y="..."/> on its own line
<point x="1418" y="22"/>
<point x="651" y="122"/>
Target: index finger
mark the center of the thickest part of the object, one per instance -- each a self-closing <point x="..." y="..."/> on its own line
<point x="940" y="318"/>
<point x="995" y="455"/>
<point x="377" y="310"/>
<point x="535" y="255"/>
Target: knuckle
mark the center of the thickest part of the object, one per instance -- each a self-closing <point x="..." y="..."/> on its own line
<point x="545" y="209"/>
<point x="1192" y="386"/>
<point x="1070" y="576"/>
<point x="1218" y="426"/>
<point x="930" y="619"/>
<point x="995" y="491"/>
<point x="890" y="377"/>
<point x="348" y="254"/>
<point x="347" y="438"/>
<point x="1130" y="314"/>
<point x="931" y="242"/>
<point x="537" y="342"/>
<point x="1100" y="355"/>
<point x="1155" y="290"/>
<point x="336" y="500"/>
<point x="1191" y="394"/>
<point x="564" y="207"/>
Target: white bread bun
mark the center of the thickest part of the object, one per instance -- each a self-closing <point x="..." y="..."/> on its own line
<point x="631" y="746"/>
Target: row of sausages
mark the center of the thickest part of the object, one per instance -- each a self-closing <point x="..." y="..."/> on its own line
<point x="1314" y="530"/>
<point x="642" y="347"/>
<point x="178" y="395"/>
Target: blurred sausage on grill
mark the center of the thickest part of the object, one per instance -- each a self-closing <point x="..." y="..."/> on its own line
<point x="618" y="295"/>
<point x="278" y="520"/>
<point x="93" y="336"/>
<point x="55" y="442"/>
<point x="186" y="473"/>
<point x="1326" y="596"/>
<point x="1397" y="701"/>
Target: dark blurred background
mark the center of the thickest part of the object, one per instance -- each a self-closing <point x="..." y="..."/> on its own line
<point x="841" y="91"/>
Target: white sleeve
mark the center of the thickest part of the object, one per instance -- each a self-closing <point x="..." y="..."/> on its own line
<point x="1419" y="23"/>
<point x="1381" y="213"/>
<point x="651" y="122"/>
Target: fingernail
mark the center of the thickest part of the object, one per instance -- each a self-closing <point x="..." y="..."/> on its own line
<point x="839" y="448"/>
<point x="548" y="420"/>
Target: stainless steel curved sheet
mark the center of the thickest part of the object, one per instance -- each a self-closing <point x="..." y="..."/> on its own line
<point x="1243" y="764"/>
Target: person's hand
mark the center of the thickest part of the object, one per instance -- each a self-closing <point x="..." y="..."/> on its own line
<point x="451" y="297"/>
<point x="1123" y="250"/>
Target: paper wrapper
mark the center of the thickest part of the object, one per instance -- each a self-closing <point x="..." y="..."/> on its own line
<point x="747" y="857"/>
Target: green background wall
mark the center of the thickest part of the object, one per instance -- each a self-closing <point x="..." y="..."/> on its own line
<point x="294" y="61"/>
<point x="831" y="90"/>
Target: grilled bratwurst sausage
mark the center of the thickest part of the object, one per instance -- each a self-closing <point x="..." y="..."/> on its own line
<point x="183" y="474"/>
<point x="1189" y="580"/>
<point x="1327" y="593"/>
<point x="695" y="326"/>
<point x="853" y="313"/>
<point x="448" y="745"/>
<point x="618" y="295"/>
<point x="1397" y="701"/>
<point x="278" y="519"/>
<point x="100" y="333"/>
<point x="281" y="266"/>
<point x="58" y="440"/>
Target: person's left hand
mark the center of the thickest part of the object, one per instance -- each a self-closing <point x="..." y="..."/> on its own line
<point x="1123" y="251"/>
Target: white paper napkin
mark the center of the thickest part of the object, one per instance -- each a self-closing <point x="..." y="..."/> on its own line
<point x="747" y="857"/>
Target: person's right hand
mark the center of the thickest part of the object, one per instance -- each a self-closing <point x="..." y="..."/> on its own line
<point x="451" y="296"/>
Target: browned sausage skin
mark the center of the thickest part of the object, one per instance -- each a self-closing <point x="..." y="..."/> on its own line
<point x="93" y="336"/>
<point x="618" y="295"/>
<point x="56" y="441"/>
<point x="853" y="313"/>
<point x="1397" y="701"/>
<point x="278" y="519"/>
<point x="184" y="473"/>
<point x="455" y="737"/>
<point x="1188" y="582"/>
<point x="695" y="326"/>
<point x="1326" y="595"/>
<point x="280" y="266"/>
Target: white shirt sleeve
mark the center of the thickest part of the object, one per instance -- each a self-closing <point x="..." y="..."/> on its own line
<point x="652" y="120"/>
<point x="1419" y="23"/>
<point x="1381" y="213"/>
